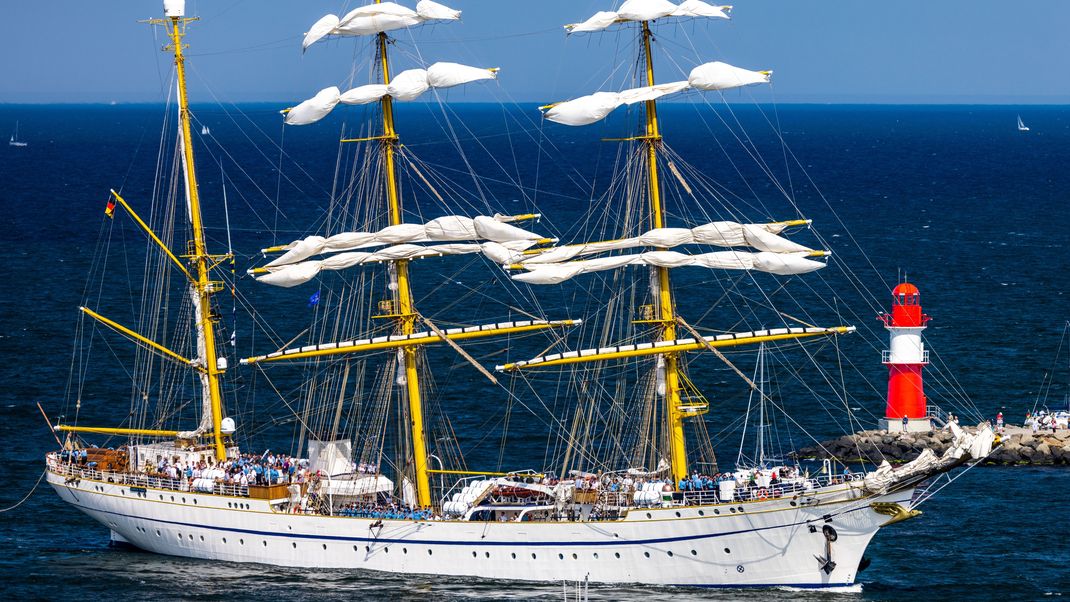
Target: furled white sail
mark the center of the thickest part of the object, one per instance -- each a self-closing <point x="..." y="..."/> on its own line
<point x="586" y="110"/>
<point x="783" y="264"/>
<point x="443" y="229"/>
<point x="763" y="237"/>
<point x="649" y="10"/>
<point x="376" y="18"/>
<point x="299" y="273"/>
<point x="405" y="86"/>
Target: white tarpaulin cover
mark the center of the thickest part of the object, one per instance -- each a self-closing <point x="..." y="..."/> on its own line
<point x="375" y="18"/>
<point x="722" y="234"/>
<point x="648" y="10"/>
<point x="783" y="264"/>
<point x="330" y="457"/>
<point x="442" y="229"/>
<point x="405" y="86"/>
<point x="586" y="110"/>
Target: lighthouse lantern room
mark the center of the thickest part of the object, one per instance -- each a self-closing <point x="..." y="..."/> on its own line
<point x="905" y="357"/>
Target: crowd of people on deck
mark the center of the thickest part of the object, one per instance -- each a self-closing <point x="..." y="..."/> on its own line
<point x="246" y="469"/>
<point x="370" y="510"/>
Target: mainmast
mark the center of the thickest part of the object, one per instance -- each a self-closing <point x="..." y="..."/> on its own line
<point x="202" y="285"/>
<point x="404" y="313"/>
<point x="674" y="419"/>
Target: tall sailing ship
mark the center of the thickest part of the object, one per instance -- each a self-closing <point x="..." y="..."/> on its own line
<point x="378" y="483"/>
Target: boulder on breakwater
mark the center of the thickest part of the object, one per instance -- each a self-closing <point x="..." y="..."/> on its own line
<point x="1017" y="446"/>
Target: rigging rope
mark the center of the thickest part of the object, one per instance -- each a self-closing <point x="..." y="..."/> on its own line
<point x="27" y="496"/>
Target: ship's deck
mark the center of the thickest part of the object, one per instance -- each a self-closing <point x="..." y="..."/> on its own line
<point x="603" y="505"/>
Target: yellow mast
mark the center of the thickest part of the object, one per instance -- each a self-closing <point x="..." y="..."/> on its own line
<point x="405" y="314"/>
<point x="199" y="256"/>
<point x="674" y="418"/>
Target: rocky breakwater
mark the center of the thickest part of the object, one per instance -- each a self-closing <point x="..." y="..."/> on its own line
<point x="1017" y="446"/>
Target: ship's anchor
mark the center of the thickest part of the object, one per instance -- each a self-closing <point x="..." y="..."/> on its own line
<point x="826" y="562"/>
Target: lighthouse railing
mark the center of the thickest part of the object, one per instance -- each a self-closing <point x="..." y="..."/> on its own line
<point x="936" y="413"/>
<point x="886" y="357"/>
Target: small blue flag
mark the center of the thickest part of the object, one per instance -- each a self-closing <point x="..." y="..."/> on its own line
<point x="314" y="299"/>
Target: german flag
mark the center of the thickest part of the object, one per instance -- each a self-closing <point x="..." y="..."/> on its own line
<point x="110" y="209"/>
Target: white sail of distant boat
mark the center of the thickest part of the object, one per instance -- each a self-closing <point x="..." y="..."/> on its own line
<point x="1022" y="127"/>
<point x="205" y="131"/>
<point x="14" y="141"/>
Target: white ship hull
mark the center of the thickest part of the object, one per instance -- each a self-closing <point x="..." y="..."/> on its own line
<point x="767" y="543"/>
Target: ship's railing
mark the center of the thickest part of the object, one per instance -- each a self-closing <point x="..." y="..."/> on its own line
<point x="746" y="493"/>
<point x="142" y="480"/>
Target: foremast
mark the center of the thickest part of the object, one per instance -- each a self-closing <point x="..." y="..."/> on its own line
<point x="405" y="311"/>
<point x="674" y="419"/>
<point x="208" y="365"/>
<point x="202" y="285"/>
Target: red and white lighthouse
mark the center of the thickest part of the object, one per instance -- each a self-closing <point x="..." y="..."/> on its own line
<point x="906" y="357"/>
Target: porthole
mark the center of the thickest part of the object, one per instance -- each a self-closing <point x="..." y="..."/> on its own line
<point x="670" y="553"/>
<point x="224" y="540"/>
<point x="404" y="550"/>
<point x="324" y="546"/>
<point x="474" y="554"/>
<point x="514" y="555"/>
<point x="487" y="554"/>
<point x="647" y="554"/>
<point x="161" y="496"/>
<point x="694" y="553"/>
<point x="701" y="513"/>
<point x="727" y="551"/>
<point x="194" y="501"/>
<point x="648" y="515"/>
<point x="793" y="504"/>
<point x="596" y="555"/>
<point x="533" y="556"/>
<point x="367" y="549"/>
<point x="741" y="509"/>
<point x="157" y="532"/>
<point x="179" y="537"/>
<point x="172" y="498"/>
<point x="202" y="538"/>
<point x="265" y="543"/>
<point x="616" y="554"/>
<point x="716" y="511"/>
<point x="429" y="552"/>
<point x="241" y="542"/>
<point x="677" y="514"/>
<point x="229" y="505"/>
<point x="386" y="550"/>
<point x="732" y="510"/>
<point x="183" y="500"/>
<point x="191" y="536"/>
<point x="560" y="556"/>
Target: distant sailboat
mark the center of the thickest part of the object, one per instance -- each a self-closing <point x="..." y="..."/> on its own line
<point x="1022" y="127"/>
<point x="205" y="131"/>
<point x="14" y="141"/>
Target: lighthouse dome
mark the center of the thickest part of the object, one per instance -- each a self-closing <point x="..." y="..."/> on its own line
<point x="905" y="289"/>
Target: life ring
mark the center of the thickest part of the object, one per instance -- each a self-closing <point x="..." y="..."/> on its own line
<point x="762" y="494"/>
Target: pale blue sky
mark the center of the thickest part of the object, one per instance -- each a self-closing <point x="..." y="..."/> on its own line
<point x="836" y="51"/>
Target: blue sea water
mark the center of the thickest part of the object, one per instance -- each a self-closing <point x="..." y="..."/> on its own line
<point x="973" y="210"/>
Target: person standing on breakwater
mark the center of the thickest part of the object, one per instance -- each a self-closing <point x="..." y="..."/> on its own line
<point x="999" y="422"/>
<point x="906" y="422"/>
